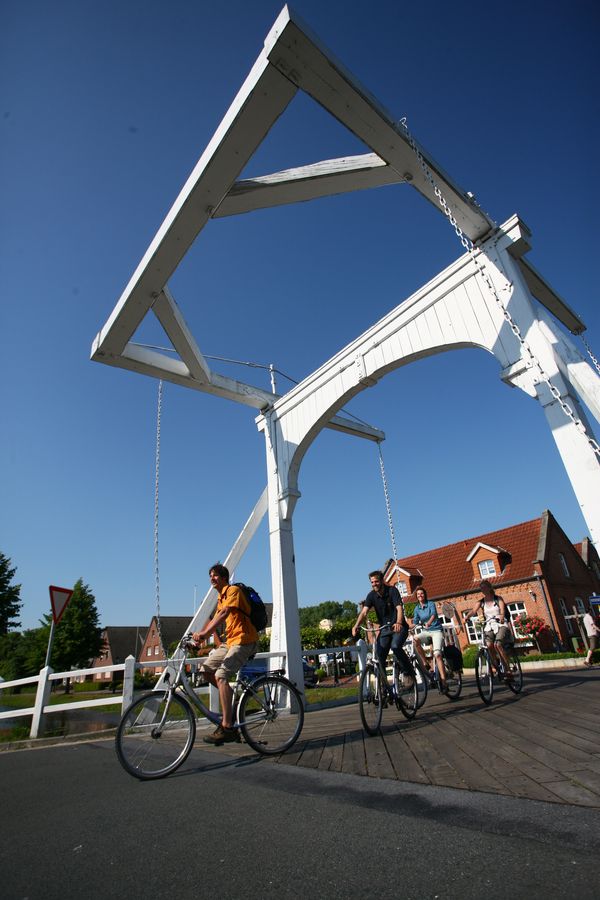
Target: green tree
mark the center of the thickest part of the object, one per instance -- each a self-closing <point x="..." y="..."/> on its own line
<point x="10" y="600"/>
<point x="12" y="664"/>
<point x="329" y="609"/>
<point x="77" y="637"/>
<point x="23" y="653"/>
<point x="34" y="647"/>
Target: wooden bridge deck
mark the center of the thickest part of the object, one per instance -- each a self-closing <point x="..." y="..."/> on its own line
<point x="542" y="745"/>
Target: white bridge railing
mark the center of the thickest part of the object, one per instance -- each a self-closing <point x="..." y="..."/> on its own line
<point x="42" y="706"/>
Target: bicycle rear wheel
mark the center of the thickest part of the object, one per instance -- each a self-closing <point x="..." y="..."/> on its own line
<point x="484" y="676"/>
<point x="406" y="692"/>
<point x="271" y="714"/>
<point x="155" y="735"/>
<point x="515" y="683"/>
<point x="453" y="684"/>
<point x="370" y="698"/>
<point x="422" y="679"/>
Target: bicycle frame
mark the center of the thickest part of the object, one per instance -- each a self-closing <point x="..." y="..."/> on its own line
<point x="177" y="666"/>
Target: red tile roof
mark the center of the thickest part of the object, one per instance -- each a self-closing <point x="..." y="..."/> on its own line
<point x="446" y="570"/>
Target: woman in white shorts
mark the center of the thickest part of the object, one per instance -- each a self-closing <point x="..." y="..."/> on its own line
<point x="425" y="614"/>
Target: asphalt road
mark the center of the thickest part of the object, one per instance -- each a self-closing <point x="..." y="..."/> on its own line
<point x="75" y="825"/>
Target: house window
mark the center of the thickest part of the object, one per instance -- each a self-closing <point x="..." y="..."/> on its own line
<point x="149" y="651"/>
<point x="516" y="609"/>
<point x="156" y="650"/>
<point x="449" y="630"/>
<point x="471" y="630"/>
<point x="487" y="569"/>
<point x="563" y="564"/>
<point x="568" y="619"/>
<point x="402" y="589"/>
<point x="580" y="606"/>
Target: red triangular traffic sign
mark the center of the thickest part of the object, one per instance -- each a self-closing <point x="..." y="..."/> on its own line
<point x="59" y="598"/>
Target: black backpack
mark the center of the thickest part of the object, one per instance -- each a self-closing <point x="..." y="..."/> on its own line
<point x="258" y="610"/>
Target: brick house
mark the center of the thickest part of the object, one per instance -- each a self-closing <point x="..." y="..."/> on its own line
<point x="532" y="565"/>
<point x="171" y="629"/>
<point x="118" y="642"/>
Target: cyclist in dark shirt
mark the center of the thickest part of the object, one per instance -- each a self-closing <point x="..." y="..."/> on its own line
<point x="389" y="609"/>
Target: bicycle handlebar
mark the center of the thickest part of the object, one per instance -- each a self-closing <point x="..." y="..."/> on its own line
<point x="376" y="628"/>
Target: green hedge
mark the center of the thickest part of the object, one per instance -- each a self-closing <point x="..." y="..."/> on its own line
<point x="470" y="655"/>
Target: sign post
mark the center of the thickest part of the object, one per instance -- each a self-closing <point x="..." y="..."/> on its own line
<point x="59" y="599"/>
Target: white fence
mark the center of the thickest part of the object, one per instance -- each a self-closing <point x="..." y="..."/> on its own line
<point x="41" y="705"/>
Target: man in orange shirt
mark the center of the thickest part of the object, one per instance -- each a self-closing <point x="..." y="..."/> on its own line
<point x="241" y="643"/>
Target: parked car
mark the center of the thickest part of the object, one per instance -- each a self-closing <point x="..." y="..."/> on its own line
<point x="257" y="667"/>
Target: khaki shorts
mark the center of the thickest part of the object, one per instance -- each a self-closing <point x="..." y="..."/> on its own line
<point x="502" y="636"/>
<point x="435" y="637"/>
<point x="225" y="662"/>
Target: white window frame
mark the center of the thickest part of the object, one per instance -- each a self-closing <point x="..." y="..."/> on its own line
<point x="484" y="568"/>
<point x="449" y="629"/>
<point x="515" y="611"/>
<point x="148" y="651"/>
<point x="564" y="566"/>
<point x="402" y="588"/>
<point x="471" y="630"/>
<point x="568" y="619"/>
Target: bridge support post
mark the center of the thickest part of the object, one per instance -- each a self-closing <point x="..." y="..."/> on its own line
<point x="580" y="461"/>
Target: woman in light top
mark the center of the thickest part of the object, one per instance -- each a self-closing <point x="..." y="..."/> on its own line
<point x="492" y="614"/>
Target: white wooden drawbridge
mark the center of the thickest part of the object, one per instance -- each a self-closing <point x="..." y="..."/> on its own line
<point x="484" y="299"/>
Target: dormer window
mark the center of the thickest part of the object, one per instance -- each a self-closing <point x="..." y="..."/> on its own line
<point x="402" y="588"/>
<point x="488" y="561"/>
<point x="487" y="569"/>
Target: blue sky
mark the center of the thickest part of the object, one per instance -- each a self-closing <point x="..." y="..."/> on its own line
<point x="105" y="109"/>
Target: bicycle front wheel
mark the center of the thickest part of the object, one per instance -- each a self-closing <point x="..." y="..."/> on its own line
<point x="155" y="735"/>
<point x="370" y="699"/>
<point x="515" y="683"/>
<point x="484" y="676"/>
<point x="422" y="679"/>
<point x="271" y="715"/>
<point x="406" y="693"/>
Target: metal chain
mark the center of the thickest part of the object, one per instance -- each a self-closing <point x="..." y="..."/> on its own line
<point x="156" y="480"/>
<point x="388" y="505"/>
<point x="590" y="354"/>
<point x="470" y="248"/>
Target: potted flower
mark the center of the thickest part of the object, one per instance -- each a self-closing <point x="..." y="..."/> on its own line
<point x="530" y="627"/>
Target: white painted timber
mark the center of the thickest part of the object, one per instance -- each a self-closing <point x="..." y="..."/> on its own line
<point x="305" y="61"/>
<point x="322" y="179"/>
<point x="456" y="309"/>
<point x="169" y="316"/>
<point x="260" y="101"/>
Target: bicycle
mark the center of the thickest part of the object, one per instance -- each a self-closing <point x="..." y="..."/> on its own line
<point x="484" y="670"/>
<point x="430" y="679"/>
<point x="157" y="731"/>
<point x="375" y="693"/>
<point x="422" y="676"/>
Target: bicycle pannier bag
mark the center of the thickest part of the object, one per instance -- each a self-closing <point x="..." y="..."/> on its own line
<point x="453" y="658"/>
